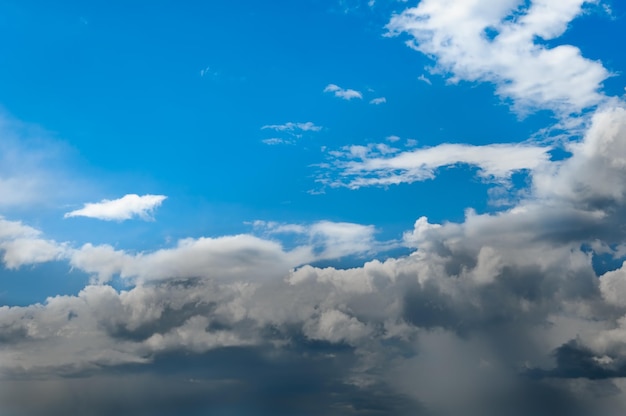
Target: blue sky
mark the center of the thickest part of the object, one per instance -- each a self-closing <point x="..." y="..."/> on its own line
<point x="341" y="153"/>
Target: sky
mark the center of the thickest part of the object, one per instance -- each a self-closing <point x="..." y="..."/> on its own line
<point x="321" y="207"/>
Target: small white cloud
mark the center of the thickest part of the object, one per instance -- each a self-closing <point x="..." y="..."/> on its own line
<point x="392" y="138"/>
<point x="346" y="94"/>
<point x="379" y="100"/>
<point x="290" y="126"/>
<point x="292" y="131"/>
<point x="275" y="140"/>
<point x="121" y="209"/>
<point x="424" y="79"/>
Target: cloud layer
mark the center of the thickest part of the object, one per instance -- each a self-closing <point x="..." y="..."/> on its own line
<point x="501" y="313"/>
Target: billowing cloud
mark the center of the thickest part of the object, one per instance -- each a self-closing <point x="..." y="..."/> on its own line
<point x="499" y="314"/>
<point x="346" y="94"/>
<point x="382" y="165"/>
<point x="498" y="310"/>
<point x="496" y="41"/>
<point x="124" y="208"/>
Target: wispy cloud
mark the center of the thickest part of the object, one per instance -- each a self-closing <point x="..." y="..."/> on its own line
<point x="382" y="165"/>
<point x="346" y="94"/>
<point x="276" y="140"/>
<point x="290" y="126"/>
<point x="291" y="130"/>
<point x="124" y="208"/>
<point x="378" y="100"/>
<point x="424" y="79"/>
<point x="33" y="166"/>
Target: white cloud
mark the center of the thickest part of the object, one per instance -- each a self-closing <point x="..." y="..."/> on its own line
<point x="327" y="239"/>
<point x="290" y="126"/>
<point x="381" y="165"/>
<point x="424" y="79"/>
<point x="22" y="245"/>
<point x="275" y="140"/>
<point x="379" y="100"/>
<point x="121" y="209"/>
<point x="292" y="130"/>
<point x="457" y="33"/>
<point x="346" y="94"/>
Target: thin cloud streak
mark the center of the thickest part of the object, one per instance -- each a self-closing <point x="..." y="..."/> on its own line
<point x="125" y="208"/>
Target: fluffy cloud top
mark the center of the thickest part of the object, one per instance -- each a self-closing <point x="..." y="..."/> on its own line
<point x="498" y="314"/>
<point x="124" y="208"/>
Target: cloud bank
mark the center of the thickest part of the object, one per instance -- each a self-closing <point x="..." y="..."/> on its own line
<point x="501" y="313"/>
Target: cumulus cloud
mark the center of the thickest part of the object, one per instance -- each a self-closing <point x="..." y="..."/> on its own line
<point x="23" y="245"/>
<point x="346" y="94"/>
<point x="381" y="165"/>
<point x="496" y="41"/>
<point x="500" y="313"/>
<point x="124" y="208"/>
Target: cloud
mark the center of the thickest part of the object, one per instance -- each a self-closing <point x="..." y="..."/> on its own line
<point x="379" y="100"/>
<point x="381" y="165"/>
<point x="22" y="245"/>
<point x="290" y="126"/>
<point x="424" y="79"/>
<point x="342" y="93"/>
<point x="328" y="239"/>
<point x="497" y="41"/>
<point x="500" y="313"/>
<point x="275" y="140"/>
<point x="292" y="130"/>
<point x="34" y="169"/>
<point x="124" y="208"/>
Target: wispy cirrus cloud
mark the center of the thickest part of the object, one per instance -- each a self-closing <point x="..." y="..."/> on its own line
<point x="328" y="239"/>
<point x="346" y="94"/>
<point x="291" y="126"/>
<point x="127" y="207"/>
<point x="378" y="100"/>
<point x="382" y="165"/>
<point x="291" y="131"/>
